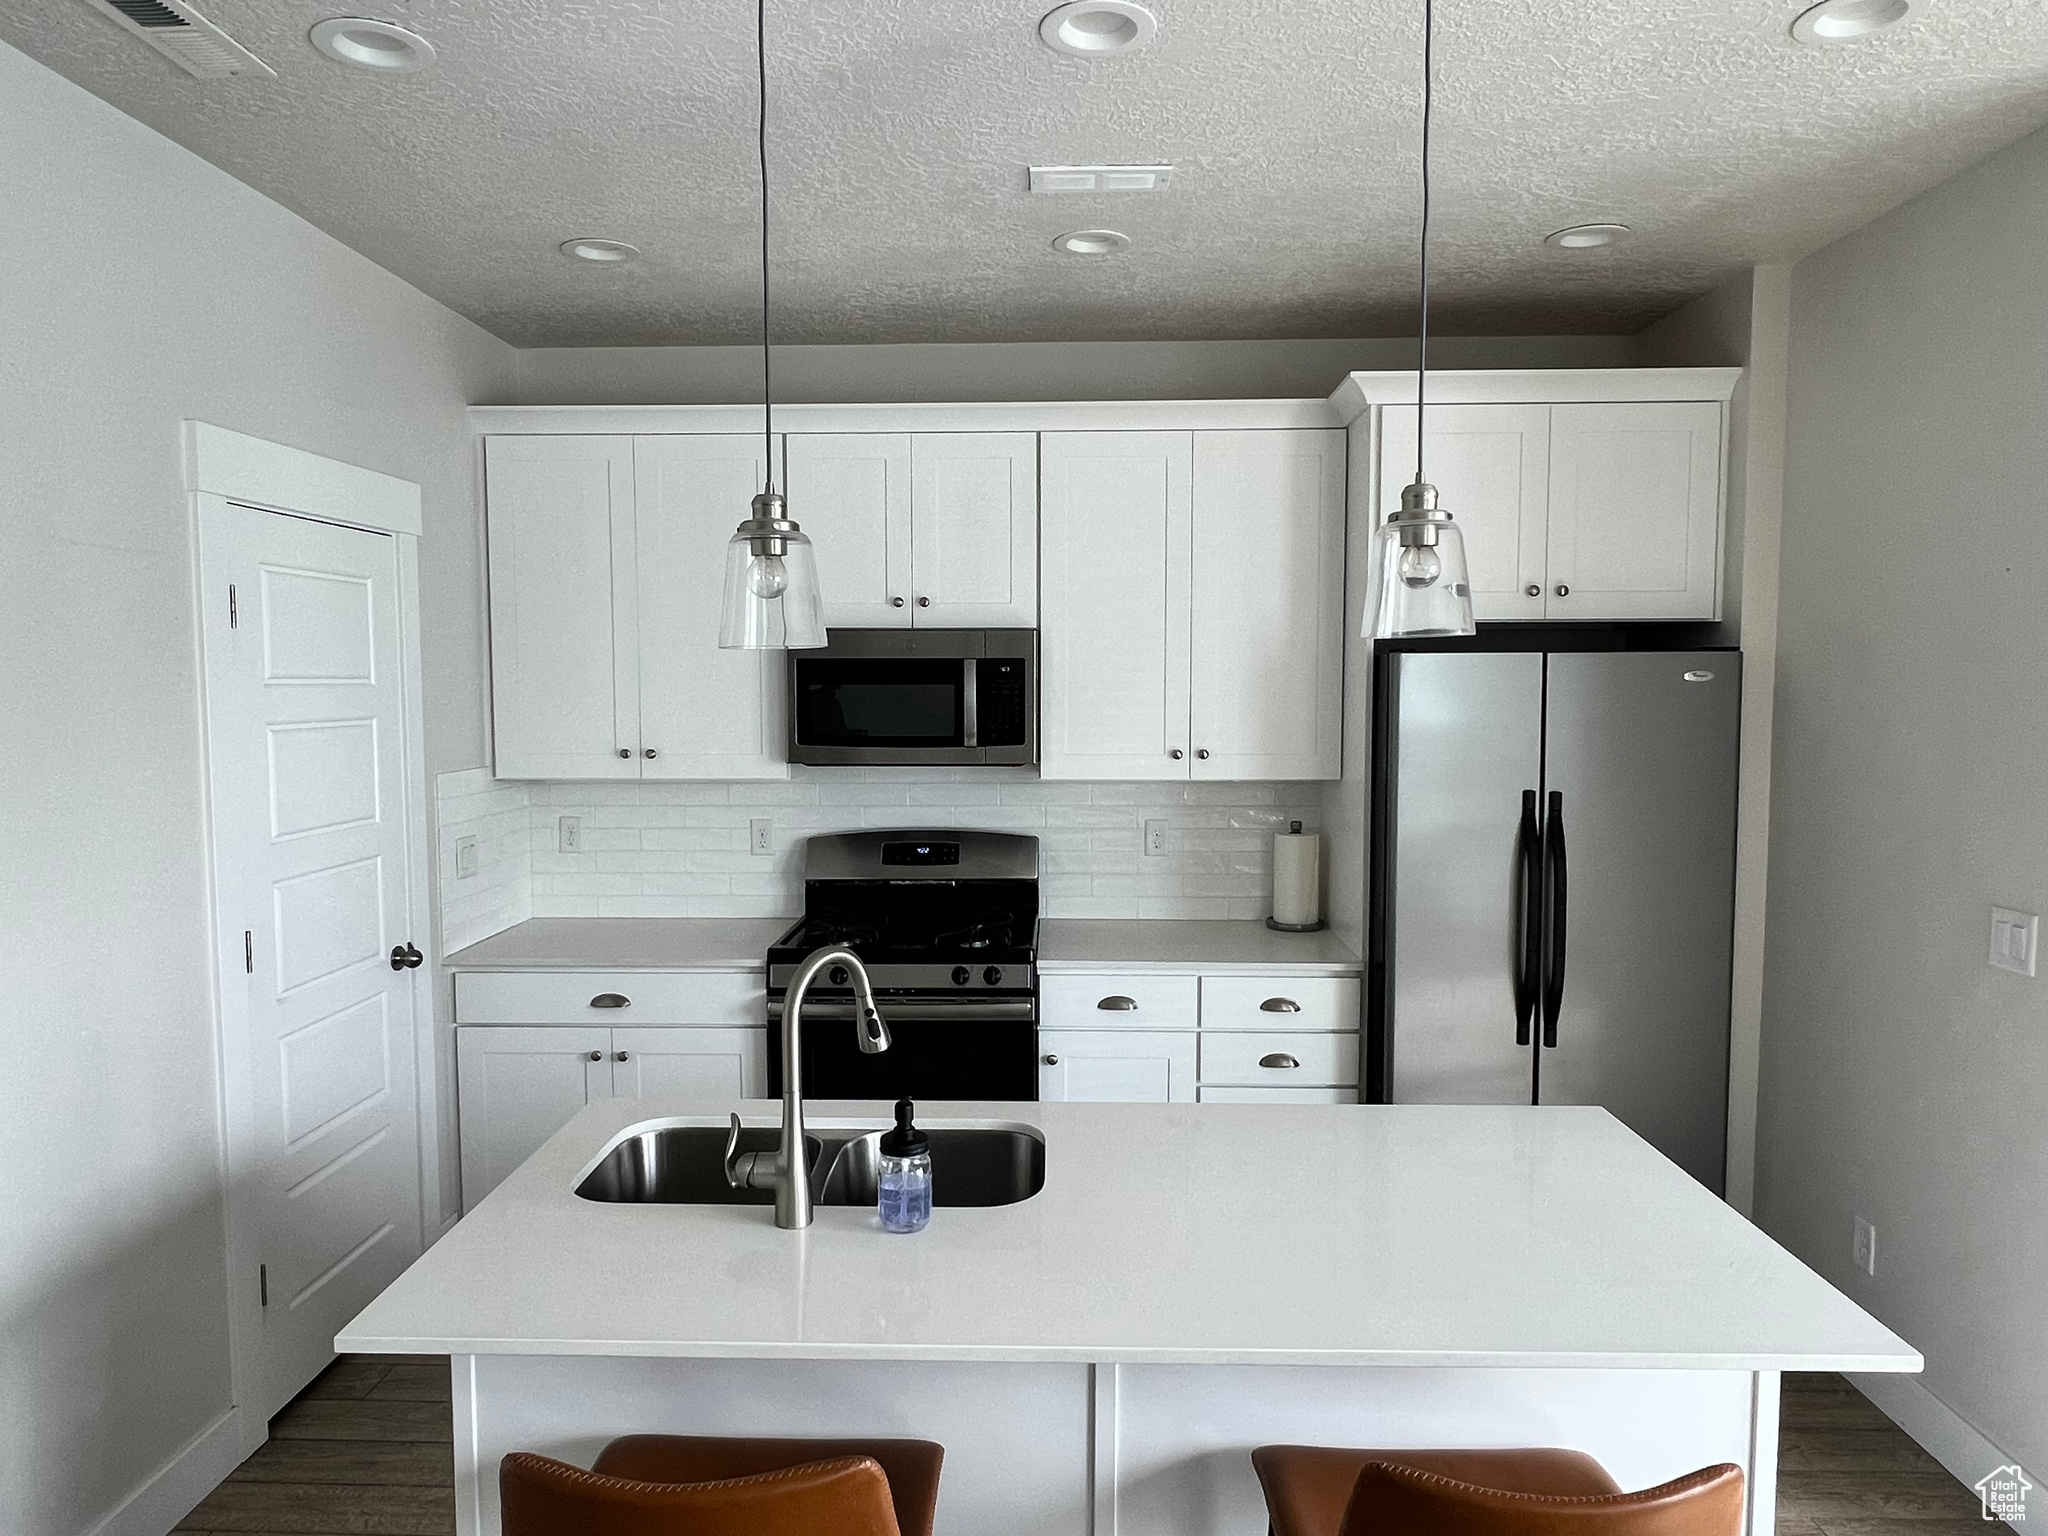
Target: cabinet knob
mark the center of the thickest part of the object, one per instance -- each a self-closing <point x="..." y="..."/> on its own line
<point x="895" y="602"/>
<point x="1533" y="590"/>
<point x="597" y="1055"/>
<point x="1278" y="1059"/>
<point x="1176" y="754"/>
<point x="924" y="602"/>
<point x="611" y="1000"/>
<point x="1203" y="753"/>
<point x="1052" y="1061"/>
<point x="649" y="752"/>
<point x="621" y="1056"/>
<point x="625" y="751"/>
<point x="1563" y="590"/>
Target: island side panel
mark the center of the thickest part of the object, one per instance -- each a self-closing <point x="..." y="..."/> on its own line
<point x="1017" y="1436"/>
<point x="1763" y="1454"/>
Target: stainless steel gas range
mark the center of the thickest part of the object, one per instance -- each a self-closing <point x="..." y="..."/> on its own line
<point x="947" y="925"/>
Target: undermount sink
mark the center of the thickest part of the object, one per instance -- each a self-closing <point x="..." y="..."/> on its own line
<point x="685" y="1165"/>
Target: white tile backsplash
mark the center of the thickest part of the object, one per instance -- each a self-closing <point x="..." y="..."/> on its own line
<point x="682" y="850"/>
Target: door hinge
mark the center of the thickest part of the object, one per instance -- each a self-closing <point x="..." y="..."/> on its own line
<point x="248" y="952"/>
<point x="263" y="1283"/>
<point x="234" y="611"/>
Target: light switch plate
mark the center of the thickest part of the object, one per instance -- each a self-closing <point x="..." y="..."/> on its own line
<point x="465" y="857"/>
<point x="2014" y="938"/>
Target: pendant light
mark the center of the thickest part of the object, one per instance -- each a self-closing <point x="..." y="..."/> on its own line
<point x="1419" y="584"/>
<point x="771" y="578"/>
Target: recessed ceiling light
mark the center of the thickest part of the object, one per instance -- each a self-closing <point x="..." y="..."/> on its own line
<point x="1848" y="21"/>
<point x="371" y="44"/>
<point x="603" y="252"/>
<point x="1096" y="29"/>
<point x="1583" y="237"/>
<point x="1092" y="242"/>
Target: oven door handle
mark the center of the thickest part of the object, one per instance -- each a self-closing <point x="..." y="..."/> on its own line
<point x="944" y="1010"/>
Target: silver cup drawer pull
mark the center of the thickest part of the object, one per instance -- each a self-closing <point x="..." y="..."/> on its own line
<point x="1278" y="1059"/>
<point x="1118" y="1004"/>
<point x="611" y="1000"/>
<point x="1279" y="1005"/>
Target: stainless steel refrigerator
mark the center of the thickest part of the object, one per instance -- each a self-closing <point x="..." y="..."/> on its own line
<point x="1552" y="885"/>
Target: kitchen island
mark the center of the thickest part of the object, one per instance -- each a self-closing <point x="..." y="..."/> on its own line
<point x="1188" y="1283"/>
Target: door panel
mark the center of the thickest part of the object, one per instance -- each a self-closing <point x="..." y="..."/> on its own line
<point x="974" y="529"/>
<point x="306" y="705"/>
<point x="1492" y="465"/>
<point x="721" y="1064"/>
<point x="517" y="1086"/>
<point x="1635" y="510"/>
<point x="705" y="713"/>
<point x="1646" y="762"/>
<point x="1115" y="519"/>
<point x="564" y="696"/>
<point x="1116" y="1066"/>
<point x="1268" y="628"/>
<point x="1467" y="742"/>
<point x="851" y="492"/>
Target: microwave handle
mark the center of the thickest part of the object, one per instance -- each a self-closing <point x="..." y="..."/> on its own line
<point x="970" y="704"/>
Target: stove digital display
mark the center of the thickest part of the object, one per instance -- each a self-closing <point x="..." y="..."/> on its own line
<point x="920" y="854"/>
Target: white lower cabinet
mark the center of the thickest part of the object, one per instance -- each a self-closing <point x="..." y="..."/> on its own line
<point x="707" y="1063"/>
<point x="1116" y="1066"/>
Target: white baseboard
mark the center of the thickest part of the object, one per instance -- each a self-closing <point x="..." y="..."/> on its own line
<point x="1938" y="1429"/>
<point x="167" y="1495"/>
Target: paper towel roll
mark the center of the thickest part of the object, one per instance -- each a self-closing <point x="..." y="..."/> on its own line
<point x="1297" y="879"/>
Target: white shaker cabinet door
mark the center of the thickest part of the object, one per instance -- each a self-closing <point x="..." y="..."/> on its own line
<point x="1116" y="1066"/>
<point x="516" y="1085"/>
<point x="851" y="493"/>
<point x="705" y="713"/>
<point x="1635" y="510"/>
<point x="564" y="693"/>
<point x="1491" y="465"/>
<point x="974" y="530"/>
<point x="1267" y="695"/>
<point x="718" y="1064"/>
<point x="1115" y="515"/>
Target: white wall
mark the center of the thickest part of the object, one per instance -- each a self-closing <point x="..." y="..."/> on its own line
<point x="142" y="287"/>
<point x="1903" y="1079"/>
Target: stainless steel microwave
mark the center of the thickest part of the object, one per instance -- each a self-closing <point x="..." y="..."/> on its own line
<point x="915" y="697"/>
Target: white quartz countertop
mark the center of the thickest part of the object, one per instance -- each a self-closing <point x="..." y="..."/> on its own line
<point x="1158" y="944"/>
<point x="1221" y="1234"/>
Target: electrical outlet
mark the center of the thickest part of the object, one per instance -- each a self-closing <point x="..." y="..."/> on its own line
<point x="1155" y="839"/>
<point x="761" y="837"/>
<point x="1864" y="1253"/>
<point x="465" y="858"/>
<point x="2014" y="937"/>
<point x="569" y="834"/>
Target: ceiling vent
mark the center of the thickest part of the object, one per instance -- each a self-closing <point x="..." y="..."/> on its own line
<point x="1101" y="178"/>
<point x="185" y="37"/>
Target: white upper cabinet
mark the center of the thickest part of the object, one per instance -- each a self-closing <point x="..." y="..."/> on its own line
<point x="934" y="529"/>
<point x="1268" y="649"/>
<point x="1192" y="612"/>
<point x="1635" y="510"/>
<point x="851" y="493"/>
<point x="1607" y="510"/>
<point x="1116" y="515"/>
<point x="704" y="713"/>
<point x="1492" y="465"/>
<point x="564" y="699"/>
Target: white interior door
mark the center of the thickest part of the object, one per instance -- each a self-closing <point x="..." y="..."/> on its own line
<point x="695" y="1062"/>
<point x="1492" y="465"/>
<point x="306" y="713"/>
<point x="1114" y="535"/>
<point x="974" y="529"/>
<point x="1267" y="692"/>
<point x="851" y="492"/>
<point x="704" y="713"/>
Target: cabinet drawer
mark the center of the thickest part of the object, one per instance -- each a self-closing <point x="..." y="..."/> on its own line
<point x="1279" y="1002"/>
<point x="1268" y="1058"/>
<point x="730" y="999"/>
<point x="1109" y="1000"/>
<point x="1209" y="1093"/>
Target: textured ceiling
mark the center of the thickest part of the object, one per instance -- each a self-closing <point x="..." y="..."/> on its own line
<point x="901" y="130"/>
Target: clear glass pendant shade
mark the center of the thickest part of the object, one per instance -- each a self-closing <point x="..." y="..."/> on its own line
<point x="1419" y="583"/>
<point x="771" y="585"/>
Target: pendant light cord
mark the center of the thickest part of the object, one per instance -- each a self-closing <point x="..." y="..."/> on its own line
<point x="1422" y="334"/>
<point x="767" y="381"/>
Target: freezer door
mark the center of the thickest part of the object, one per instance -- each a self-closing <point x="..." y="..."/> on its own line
<point x="1467" y="744"/>
<point x="1642" y="747"/>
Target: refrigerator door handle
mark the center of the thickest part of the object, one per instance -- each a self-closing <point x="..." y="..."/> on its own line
<point x="1553" y="916"/>
<point x="1528" y="917"/>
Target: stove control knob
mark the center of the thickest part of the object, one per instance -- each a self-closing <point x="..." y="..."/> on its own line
<point x="993" y="975"/>
<point x="960" y="975"/>
<point x="837" y="976"/>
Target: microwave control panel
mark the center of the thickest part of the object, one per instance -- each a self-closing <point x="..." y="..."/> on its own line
<point x="1000" y="686"/>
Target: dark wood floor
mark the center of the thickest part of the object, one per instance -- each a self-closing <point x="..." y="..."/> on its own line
<point x="367" y="1450"/>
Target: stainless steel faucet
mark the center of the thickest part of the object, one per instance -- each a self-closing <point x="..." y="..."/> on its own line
<point x="788" y="1171"/>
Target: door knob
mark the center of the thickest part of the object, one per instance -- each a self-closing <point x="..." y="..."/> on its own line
<point x="404" y="957"/>
<point x="1278" y="1059"/>
<point x="649" y="752"/>
<point x="895" y="602"/>
<point x="1563" y="590"/>
<point x="597" y="1055"/>
<point x="1534" y="590"/>
<point x="1052" y="1061"/>
<point x="924" y="602"/>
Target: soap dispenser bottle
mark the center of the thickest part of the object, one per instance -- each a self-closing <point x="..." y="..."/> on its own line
<point x="904" y="1198"/>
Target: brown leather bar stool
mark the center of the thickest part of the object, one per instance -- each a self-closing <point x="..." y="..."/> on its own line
<point x="849" y="1496"/>
<point x="1333" y="1491"/>
<point x="658" y="1465"/>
